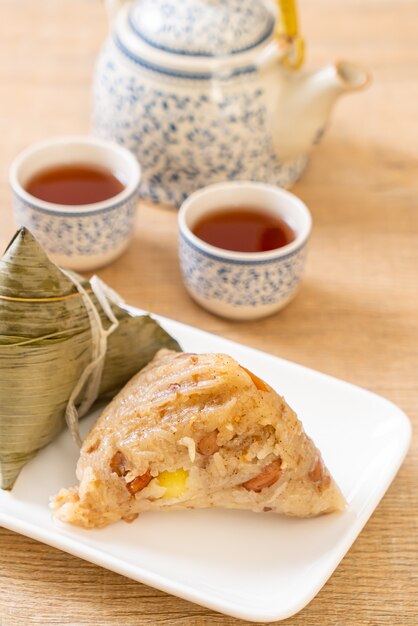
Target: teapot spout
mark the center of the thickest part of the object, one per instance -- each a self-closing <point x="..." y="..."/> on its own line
<point x="305" y="104"/>
<point x="349" y="76"/>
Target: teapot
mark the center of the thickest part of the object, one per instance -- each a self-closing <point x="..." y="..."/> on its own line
<point x="204" y="91"/>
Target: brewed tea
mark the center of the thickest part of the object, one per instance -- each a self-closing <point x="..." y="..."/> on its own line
<point x="74" y="184"/>
<point x="244" y="230"/>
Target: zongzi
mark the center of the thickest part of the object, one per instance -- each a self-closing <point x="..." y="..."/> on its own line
<point x="46" y="345"/>
<point x="196" y="431"/>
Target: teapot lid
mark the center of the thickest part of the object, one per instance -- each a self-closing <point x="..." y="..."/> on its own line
<point x="202" y="28"/>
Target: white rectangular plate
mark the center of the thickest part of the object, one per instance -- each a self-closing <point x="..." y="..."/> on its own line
<point x="251" y="566"/>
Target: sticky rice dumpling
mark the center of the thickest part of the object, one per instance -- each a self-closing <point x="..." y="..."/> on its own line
<point x="196" y="431"/>
<point x="46" y="345"/>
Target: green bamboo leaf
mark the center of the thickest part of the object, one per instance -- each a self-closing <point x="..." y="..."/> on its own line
<point x="45" y="345"/>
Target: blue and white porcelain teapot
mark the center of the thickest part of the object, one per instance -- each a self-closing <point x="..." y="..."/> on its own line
<point x="203" y="91"/>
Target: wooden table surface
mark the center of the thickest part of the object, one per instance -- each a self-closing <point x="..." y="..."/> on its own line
<point x="356" y="316"/>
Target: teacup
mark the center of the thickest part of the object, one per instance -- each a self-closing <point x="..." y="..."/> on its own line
<point x="79" y="237"/>
<point x="242" y="285"/>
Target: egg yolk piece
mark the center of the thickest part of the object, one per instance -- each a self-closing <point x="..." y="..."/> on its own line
<point x="174" y="483"/>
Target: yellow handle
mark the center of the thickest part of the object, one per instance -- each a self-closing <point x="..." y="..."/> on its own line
<point x="288" y="30"/>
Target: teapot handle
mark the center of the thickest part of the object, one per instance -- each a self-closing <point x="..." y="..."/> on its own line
<point x="288" y="33"/>
<point x="113" y="7"/>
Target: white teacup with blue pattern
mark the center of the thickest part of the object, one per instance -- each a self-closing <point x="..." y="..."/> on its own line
<point x="242" y="285"/>
<point x="79" y="237"/>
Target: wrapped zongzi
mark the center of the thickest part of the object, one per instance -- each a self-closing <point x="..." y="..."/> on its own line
<point x="48" y="321"/>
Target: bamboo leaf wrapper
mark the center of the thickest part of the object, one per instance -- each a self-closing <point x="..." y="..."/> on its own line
<point x="45" y="346"/>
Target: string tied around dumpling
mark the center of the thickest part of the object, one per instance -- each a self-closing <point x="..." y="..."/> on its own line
<point x="89" y="381"/>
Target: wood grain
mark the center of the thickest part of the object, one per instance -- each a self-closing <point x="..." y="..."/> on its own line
<point x="356" y="316"/>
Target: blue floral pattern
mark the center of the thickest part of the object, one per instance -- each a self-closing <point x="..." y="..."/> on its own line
<point x="209" y="28"/>
<point x="240" y="283"/>
<point x="187" y="133"/>
<point x="86" y="233"/>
